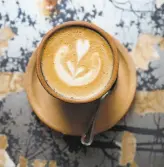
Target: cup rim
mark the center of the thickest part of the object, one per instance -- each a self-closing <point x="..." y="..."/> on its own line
<point x="91" y="26"/>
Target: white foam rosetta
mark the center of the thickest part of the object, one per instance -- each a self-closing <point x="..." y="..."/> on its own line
<point x="82" y="47"/>
<point x="71" y="78"/>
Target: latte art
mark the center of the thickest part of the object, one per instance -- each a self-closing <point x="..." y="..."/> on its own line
<point x="77" y="62"/>
<point x="82" y="47"/>
<point x="71" y="73"/>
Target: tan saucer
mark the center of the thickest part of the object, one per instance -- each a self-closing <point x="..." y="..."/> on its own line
<point x="72" y="119"/>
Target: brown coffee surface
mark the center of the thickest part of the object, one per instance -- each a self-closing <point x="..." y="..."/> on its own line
<point x="77" y="62"/>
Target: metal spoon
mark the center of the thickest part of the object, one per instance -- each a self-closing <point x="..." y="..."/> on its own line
<point x="87" y="137"/>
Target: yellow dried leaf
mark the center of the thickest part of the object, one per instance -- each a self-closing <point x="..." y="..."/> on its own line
<point x="3" y="44"/>
<point x="2" y="158"/>
<point x="16" y="83"/>
<point x="3" y="142"/>
<point x="128" y="149"/>
<point x="148" y="102"/>
<point x="3" y="146"/>
<point x="52" y="164"/>
<point x="159" y="3"/>
<point x="134" y="164"/>
<point x="5" y="35"/>
<point x="39" y="163"/>
<point x="10" y="82"/>
<point x="23" y="162"/>
<point x="47" y="7"/>
<point x="162" y="44"/>
<point x="145" y="51"/>
<point x="5" y="79"/>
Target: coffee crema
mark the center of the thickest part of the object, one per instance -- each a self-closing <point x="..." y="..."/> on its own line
<point x="77" y="62"/>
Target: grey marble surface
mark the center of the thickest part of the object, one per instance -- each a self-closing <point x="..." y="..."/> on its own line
<point x="31" y="138"/>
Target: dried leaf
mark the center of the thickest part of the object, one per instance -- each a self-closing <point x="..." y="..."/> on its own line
<point x="47" y="7"/>
<point x="3" y="146"/>
<point x="162" y="44"/>
<point x="2" y="158"/>
<point x="149" y="102"/>
<point x="5" y="160"/>
<point x="5" y="35"/>
<point x="10" y="82"/>
<point x="3" y="142"/>
<point x="145" y="50"/>
<point x="16" y="83"/>
<point x="52" y="164"/>
<point x="128" y="149"/>
<point x="23" y="162"/>
<point x="134" y="164"/>
<point x="159" y="3"/>
<point x="39" y="163"/>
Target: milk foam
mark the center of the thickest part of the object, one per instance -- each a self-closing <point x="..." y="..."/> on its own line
<point x="77" y="63"/>
<point x="82" y="46"/>
<point x="71" y="77"/>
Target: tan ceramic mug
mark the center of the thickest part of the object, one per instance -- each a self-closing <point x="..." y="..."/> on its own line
<point x="46" y="57"/>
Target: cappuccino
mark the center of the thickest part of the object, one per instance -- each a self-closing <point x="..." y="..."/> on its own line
<point x="77" y="62"/>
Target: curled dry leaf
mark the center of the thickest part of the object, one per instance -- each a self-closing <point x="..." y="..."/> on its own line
<point x="2" y="158"/>
<point x="52" y="164"/>
<point x="134" y="165"/>
<point x="5" y="160"/>
<point x="39" y="163"/>
<point x="3" y="146"/>
<point x="162" y="44"/>
<point x="3" y="142"/>
<point x="23" y="162"/>
<point x="47" y="7"/>
<point x="128" y="149"/>
<point x="159" y="3"/>
<point x="10" y="82"/>
<point x="148" y="102"/>
<point x="145" y="50"/>
<point x="5" y="35"/>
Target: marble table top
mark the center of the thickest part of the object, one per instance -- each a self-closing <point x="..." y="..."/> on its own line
<point x="138" y="138"/>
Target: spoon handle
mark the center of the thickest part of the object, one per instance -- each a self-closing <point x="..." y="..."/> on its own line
<point x="87" y="137"/>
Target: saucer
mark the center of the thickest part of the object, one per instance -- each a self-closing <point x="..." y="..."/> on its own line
<point x="72" y="119"/>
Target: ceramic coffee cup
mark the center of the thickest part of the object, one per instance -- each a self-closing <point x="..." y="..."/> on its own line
<point x="90" y="26"/>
